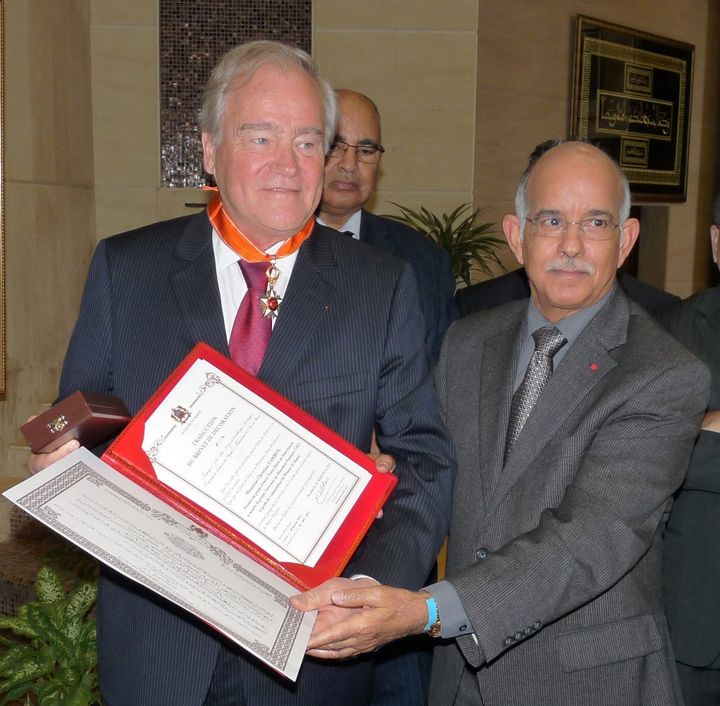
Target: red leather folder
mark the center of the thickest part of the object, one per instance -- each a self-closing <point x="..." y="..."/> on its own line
<point x="126" y="455"/>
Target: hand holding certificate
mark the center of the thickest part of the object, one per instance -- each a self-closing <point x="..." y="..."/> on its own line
<point x="230" y="499"/>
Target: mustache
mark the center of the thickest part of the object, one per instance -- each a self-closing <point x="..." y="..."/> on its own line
<point x="570" y="264"/>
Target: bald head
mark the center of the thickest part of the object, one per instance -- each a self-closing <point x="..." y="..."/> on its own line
<point x="550" y="147"/>
<point x="350" y="182"/>
<point x="354" y="101"/>
<point x="569" y="269"/>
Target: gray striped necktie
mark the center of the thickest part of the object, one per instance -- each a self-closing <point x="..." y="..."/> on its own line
<point x="548" y="341"/>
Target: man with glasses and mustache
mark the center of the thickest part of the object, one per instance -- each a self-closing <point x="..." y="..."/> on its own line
<point x="574" y="416"/>
<point x="514" y="285"/>
<point x="351" y="172"/>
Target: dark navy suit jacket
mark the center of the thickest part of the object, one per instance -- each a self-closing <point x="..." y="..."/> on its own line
<point x="347" y="347"/>
<point x="691" y="555"/>
<point x="431" y="265"/>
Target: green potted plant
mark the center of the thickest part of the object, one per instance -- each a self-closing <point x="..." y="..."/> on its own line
<point x="471" y="245"/>
<point x="52" y="658"/>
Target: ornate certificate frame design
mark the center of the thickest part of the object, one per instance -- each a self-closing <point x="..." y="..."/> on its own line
<point x="631" y="96"/>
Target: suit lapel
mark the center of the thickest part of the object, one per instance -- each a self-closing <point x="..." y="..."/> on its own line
<point x="306" y="302"/>
<point x="587" y="363"/>
<point x="497" y="376"/>
<point x="195" y="284"/>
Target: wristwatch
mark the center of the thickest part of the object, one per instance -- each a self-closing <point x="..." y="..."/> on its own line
<point x="435" y="628"/>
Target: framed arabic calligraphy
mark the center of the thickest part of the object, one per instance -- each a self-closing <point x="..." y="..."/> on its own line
<point x="631" y="97"/>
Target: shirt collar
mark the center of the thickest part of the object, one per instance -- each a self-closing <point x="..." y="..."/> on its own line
<point x="226" y="257"/>
<point x="571" y="326"/>
<point x="352" y="225"/>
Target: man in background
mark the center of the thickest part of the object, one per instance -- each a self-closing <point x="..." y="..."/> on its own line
<point x="267" y="121"/>
<point x="574" y="416"/>
<point x="691" y="561"/>
<point x="351" y="172"/>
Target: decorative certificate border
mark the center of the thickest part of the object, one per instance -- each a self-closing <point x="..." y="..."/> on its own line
<point x="631" y="97"/>
<point x="182" y="533"/>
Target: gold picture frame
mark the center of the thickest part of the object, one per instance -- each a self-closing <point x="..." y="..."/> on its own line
<point x="631" y="97"/>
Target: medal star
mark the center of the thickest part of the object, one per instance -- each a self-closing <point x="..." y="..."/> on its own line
<point x="270" y="303"/>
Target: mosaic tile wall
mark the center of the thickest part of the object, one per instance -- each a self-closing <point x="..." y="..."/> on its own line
<point x="193" y="35"/>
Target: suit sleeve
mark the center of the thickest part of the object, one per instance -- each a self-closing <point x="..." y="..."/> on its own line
<point x="704" y="470"/>
<point x="87" y="361"/>
<point x="606" y="521"/>
<point x="401" y="548"/>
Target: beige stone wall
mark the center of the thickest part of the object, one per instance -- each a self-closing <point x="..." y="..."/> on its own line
<point x="523" y="91"/>
<point x="49" y="222"/>
<point x="416" y="60"/>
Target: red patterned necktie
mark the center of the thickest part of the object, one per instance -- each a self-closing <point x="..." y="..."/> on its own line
<point x="251" y="330"/>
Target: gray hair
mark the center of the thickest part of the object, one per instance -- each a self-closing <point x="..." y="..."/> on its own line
<point x="241" y="63"/>
<point x="716" y="211"/>
<point x="521" y="203"/>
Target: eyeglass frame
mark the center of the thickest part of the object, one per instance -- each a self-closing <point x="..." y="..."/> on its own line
<point x="377" y="149"/>
<point x="535" y="221"/>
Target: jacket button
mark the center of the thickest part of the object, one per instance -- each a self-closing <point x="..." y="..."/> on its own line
<point x="508" y="641"/>
<point x="537" y="625"/>
<point x="528" y="631"/>
<point x="518" y="636"/>
<point x="481" y="553"/>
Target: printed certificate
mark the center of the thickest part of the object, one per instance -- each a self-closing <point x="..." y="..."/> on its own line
<point x="138" y="535"/>
<point x="225" y="447"/>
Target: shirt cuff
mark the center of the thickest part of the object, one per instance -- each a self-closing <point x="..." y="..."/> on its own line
<point x="354" y="577"/>
<point x="453" y="619"/>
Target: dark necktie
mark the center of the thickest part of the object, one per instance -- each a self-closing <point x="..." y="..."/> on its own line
<point x="548" y="341"/>
<point x="251" y="330"/>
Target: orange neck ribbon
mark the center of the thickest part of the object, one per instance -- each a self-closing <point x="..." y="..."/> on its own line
<point x="239" y="243"/>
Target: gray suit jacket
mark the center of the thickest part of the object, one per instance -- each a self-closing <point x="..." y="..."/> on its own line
<point x="556" y="555"/>
<point x="347" y="347"/>
<point x="691" y="550"/>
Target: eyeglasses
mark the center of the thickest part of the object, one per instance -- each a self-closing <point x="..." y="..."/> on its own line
<point x="368" y="153"/>
<point x="596" y="228"/>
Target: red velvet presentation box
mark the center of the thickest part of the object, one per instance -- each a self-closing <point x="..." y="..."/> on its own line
<point x="86" y="416"/>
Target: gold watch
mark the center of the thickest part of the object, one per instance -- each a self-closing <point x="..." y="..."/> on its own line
<point x="436" y="627"/>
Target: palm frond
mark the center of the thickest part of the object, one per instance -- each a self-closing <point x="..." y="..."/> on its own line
<point x="471" y="245"/>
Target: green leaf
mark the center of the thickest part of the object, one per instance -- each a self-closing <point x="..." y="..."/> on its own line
<point x="18" y="624"/>
<point x="48" y="630"/>
<point x="24" y="673"/>
<point x="48" y="586"/>
<point x="81" y="599"/>
<point x="471" y="245"/>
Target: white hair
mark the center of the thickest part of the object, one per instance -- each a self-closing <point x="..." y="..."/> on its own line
<point x="241" y="63"/>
